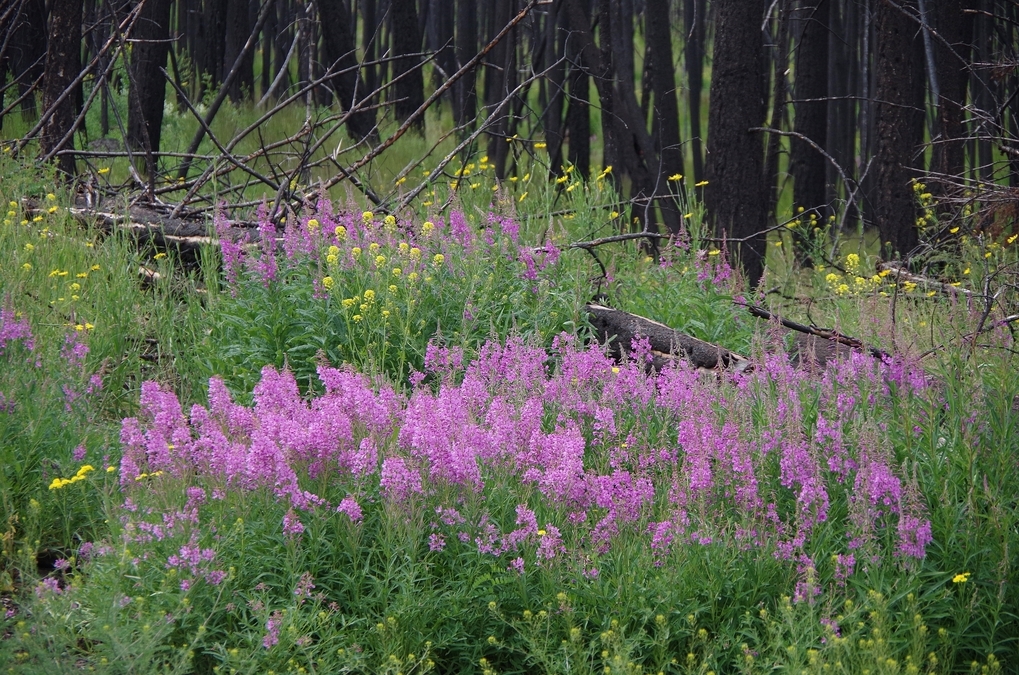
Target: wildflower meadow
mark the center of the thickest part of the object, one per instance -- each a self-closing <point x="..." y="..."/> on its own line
<point x="389" y="443"/>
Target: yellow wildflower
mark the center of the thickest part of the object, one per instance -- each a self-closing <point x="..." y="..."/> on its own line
<point x="676" y="177"/>
<point x="159" y="256"/>
<point x="701" y="184"/>
<point x="356" y="251"/>
<point x="327" y="282"/>
<point x="438" y="258"/>
<point x="103" y="171"/>
<point x="367" y="217"/>
<point x="369" y="295"/>
<point x="427" y="227"/>
<point x="340" y="232"/>
<point x="51" y="197"/>
<point x="961" y="578"/>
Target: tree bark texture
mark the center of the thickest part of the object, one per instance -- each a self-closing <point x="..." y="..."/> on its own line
<point x="63" y="63"/>
<point x="808" y="166"/>
<point x="239" y="23"/>
<point x="955" y="25"/>
<point x="408" y="87"/>
<point x="26" y="53"/>
<point x="466" y="46"/>
<point x="899" y="92"/>
<point x="735" y="196"/>
<point x="578" y="110"/>
<point x="694" y="12"/>
<point x="338" y="44"/>
<point x="663" y="84"/>
<point x="151" y="45"/>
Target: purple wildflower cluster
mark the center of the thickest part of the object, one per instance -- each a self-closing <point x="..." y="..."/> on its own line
<point x="598" y="451"/>
<point x="13" y="329"/>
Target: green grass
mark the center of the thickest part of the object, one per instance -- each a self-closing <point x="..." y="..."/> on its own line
<point x="383" y="599"/>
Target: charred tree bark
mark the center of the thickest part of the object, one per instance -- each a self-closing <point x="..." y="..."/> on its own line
<point x="779" y="102"/>
<point x="900" y="119"/>
<point x="408" y="87"/>
<point x="552" y="121"/>
<point x="27" y="51"/>
<point x="209" y="55"/>
<point x="441" y="29"/>
<point x="466" y="46"/>
<point x="955" y="25"/>
<point x="338" y="44"/>
<point x="63" y="63"/>
<point x="498" y="82"/>
<point x="808" y="166"/>
<point x="578" y="111"/>
<point x="694" y="17"/>
<point x="148" y="87"/>
<point x="735" y="196"/>
<point x="239" y="22"/>
<point x="665" y="113"/>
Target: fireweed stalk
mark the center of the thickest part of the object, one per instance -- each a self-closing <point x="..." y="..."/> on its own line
<point x="374" y="292"/>
<point x="594" y="450"/>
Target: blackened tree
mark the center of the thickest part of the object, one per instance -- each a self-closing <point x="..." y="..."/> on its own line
<point x="63" y="64"/>
<point x="735" y="195"/>
<point x="148" y="86"/>
<point x="899" y="93"/>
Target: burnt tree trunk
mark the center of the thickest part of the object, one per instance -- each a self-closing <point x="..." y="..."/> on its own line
<point x="408" y="82"/>
<point x="552" y="116"/>
<point x="578" y="111"/>
<point x="465" y="47"/>
<point x="209" y="55"/>
<point x="899" y="92"/>
<point x="694" y="19"/>
<point x="498" y="82"/>
<point x="63" y="63"/>
<point x="369" y="42"/>
<point x="338" y="44"/>
<point x="665" y="113"/>
<point x="779" y="72"/>
<point x="239" y="23"/>
<point x="955" y="25"/>
<point x="735" y="196"/>
<point x="808" y="166"/>
<point x="27" y="51"/>
<point x="148" y="86"/>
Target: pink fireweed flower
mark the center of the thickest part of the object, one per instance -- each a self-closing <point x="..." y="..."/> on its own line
<point x="351" y="508"/>
<point x="14" y="329"/>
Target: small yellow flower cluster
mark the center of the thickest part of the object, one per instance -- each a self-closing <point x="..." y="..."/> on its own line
<point x="79" y="476"/>
<point x="332" y="255"/>
<point x="926" y="201"/>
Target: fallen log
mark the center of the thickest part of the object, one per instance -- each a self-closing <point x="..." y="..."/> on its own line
<point x="185" y="236"/>
<point x="618" y="329"/>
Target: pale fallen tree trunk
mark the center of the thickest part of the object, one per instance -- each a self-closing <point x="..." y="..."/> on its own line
<point x="619" y="329"/>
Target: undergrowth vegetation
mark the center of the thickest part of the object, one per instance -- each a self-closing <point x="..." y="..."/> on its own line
<point x="368" y="443"/>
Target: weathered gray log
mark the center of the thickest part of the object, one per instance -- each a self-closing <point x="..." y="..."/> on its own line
<point x="184" y="236"/>
<point x="618" y="329"/>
